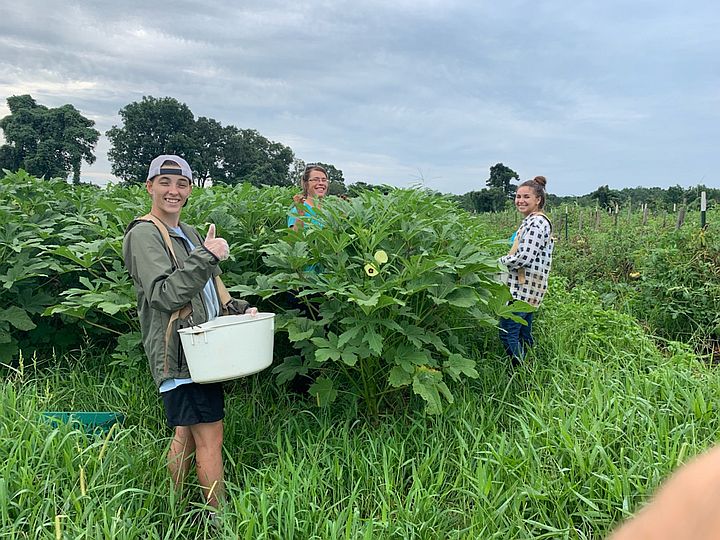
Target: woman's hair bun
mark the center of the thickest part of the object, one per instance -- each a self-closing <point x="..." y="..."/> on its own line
<point x="541" y="180"/>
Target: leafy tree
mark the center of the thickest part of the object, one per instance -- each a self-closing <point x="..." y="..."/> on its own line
<point x="151" y="127"/>
<point x="606" y="197"/>
<point x="336" y="179"/>
<point x="210" y="139"/>
<point x="693" y="194"/>
<point x="337" y="188"/>
<point x="334" y="174"/>
<point x="225" y="154"/>
<point x="50" y="142"/>
<point x="674" y="195"/>
<point x="250" y="157"/>
<point x="8" y="158"/>
<point x="552" y="201"/>
<point x="488" y="200"/>
<point x="295" y="172"/>
<point x="500" y="177"/>
<point x="207" y="134"/>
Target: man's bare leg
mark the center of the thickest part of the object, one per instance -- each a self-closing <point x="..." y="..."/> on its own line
<point x="208" y="439"/>
<point x="180" y="455"/>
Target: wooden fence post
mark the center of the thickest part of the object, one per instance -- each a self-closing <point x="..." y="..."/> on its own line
<point x="580" y="220"/>
<point x="680" y="218"/>
<point x="615" y="215"/>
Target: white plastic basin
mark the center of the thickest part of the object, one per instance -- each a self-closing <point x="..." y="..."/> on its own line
<point x="229" y="347"/>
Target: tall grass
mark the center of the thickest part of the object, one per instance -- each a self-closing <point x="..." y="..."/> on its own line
<point x="563" y="447"/>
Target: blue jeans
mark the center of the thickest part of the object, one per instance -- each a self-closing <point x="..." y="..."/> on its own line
<point x="516" y="337"/>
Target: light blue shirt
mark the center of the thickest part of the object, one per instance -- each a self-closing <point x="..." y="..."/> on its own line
<point x="309" y="211"/>
<point x="293" y="217"/>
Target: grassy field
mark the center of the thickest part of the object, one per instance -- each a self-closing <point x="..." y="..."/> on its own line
<point x="564" y="447"/>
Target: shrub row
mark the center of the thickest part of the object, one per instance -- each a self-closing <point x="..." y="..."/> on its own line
<point x="404" y="277"/>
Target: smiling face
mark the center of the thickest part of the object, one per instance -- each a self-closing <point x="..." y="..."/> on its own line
<point x="526" y="201"/>
<point x="168" y="193"/>
<point x="316" y="184"/>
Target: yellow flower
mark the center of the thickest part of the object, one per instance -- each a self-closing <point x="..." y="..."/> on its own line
<point x="634" y="275"/>
<point x="381" y="256"/>
<point x="370" y="270"/>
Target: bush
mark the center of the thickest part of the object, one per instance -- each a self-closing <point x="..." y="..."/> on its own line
<point x="402" y="277"/>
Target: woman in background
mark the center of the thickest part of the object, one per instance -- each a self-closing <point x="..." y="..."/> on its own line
<point x="314" y="184"/>
<point x="528" y="264"/>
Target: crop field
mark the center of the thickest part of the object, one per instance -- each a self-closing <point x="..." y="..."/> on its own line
<point x="414" y="426"/>
<point x="666" y="277"/>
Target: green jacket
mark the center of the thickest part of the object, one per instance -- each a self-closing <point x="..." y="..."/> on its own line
<point x="162" y="290"/>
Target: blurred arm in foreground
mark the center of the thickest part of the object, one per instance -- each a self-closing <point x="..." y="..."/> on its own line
<point x="686" y="507"/>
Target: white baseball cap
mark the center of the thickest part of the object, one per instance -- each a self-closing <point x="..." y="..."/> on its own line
<point x="157" y="168"/>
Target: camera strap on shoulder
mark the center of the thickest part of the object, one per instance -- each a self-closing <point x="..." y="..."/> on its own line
<point x="542" y="214"/>
<point x="516" y="243"/>
<point x="185" y="311"/>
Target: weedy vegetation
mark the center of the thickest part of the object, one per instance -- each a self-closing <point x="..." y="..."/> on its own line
<point x="396" y="329"/>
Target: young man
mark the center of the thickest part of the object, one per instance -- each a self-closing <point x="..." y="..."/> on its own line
<point x="175" y="291"/>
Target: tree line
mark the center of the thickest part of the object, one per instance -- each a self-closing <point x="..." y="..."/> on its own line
<point x="656" y="199"/>
<point x="499" y="194"/>
<point x="53" y="142"/>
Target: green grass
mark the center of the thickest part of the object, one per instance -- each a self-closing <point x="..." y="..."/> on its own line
<point x="564" y="447"/>
<point x="668" y="279"/>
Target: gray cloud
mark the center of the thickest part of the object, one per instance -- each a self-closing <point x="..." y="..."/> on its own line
<point x="585" y="93"/>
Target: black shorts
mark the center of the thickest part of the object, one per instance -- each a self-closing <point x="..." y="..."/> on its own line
<point x="194" y="403"/>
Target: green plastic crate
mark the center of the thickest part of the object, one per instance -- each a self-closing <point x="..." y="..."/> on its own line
<point x="89" y="421"/>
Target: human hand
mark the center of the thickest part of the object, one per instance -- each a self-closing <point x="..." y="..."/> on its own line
<point x="684" y="508"/>
<point x="299" y="199"/>
<point x="217" y="246"/>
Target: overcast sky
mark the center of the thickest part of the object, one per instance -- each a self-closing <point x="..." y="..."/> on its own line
<point x="583" y="92"/>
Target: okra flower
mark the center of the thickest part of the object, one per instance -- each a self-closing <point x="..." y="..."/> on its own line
<point x="381" y="257"/>
<point x="370" y="270"/>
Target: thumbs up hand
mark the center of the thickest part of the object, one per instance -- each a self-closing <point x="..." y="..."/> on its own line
<point x="211" y="232"/>
<point x="217" y="246"/>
